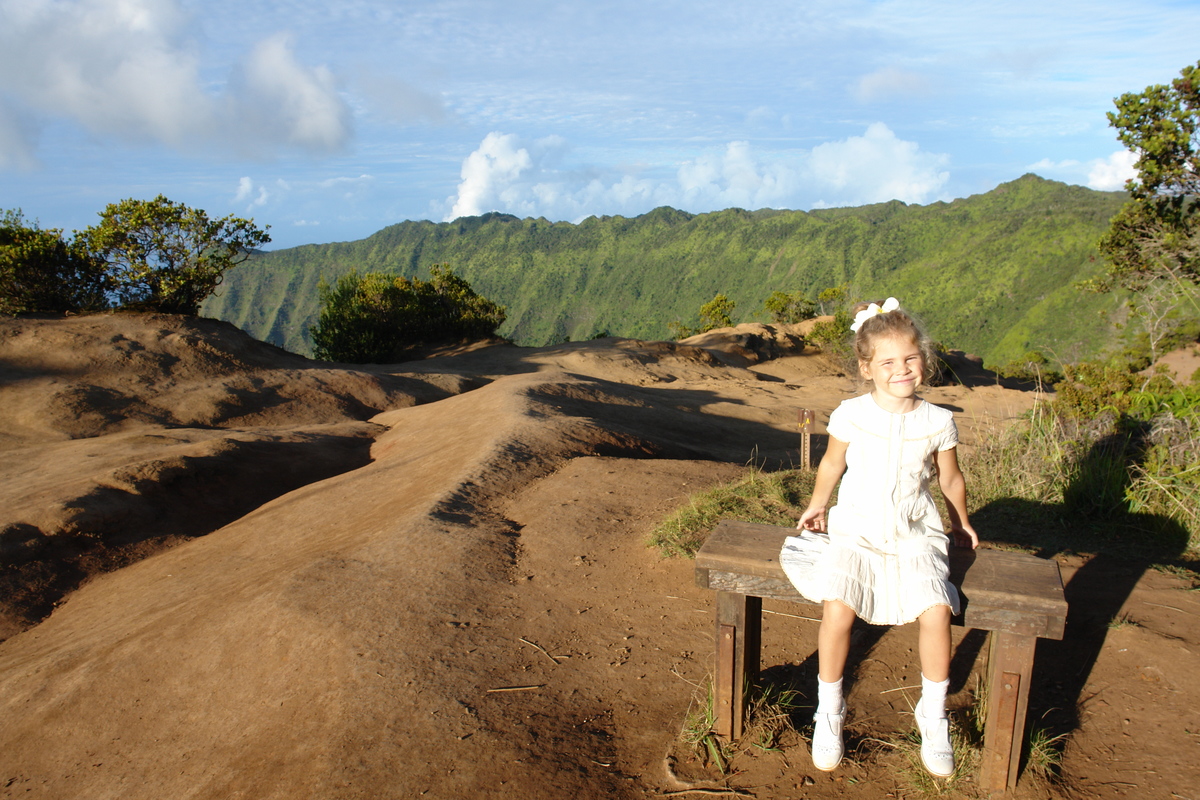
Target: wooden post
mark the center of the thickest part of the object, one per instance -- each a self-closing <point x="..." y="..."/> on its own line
<point x="1010" y="668"/>
<point x="807" y="419"/>
<point x="739" y="637"/>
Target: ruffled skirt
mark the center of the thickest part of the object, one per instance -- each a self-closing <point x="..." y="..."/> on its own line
<point x="882" y="588"/>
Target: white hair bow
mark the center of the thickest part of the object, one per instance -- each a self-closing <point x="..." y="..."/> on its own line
<point x="891" y="304"/>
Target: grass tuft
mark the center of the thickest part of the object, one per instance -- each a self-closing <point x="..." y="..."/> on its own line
<point x="775" y="498"/>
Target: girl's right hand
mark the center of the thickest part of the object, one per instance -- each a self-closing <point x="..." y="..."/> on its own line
<point x="813" y="519"/>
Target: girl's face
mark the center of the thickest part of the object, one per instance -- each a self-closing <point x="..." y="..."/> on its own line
<point x="896" y="367"/>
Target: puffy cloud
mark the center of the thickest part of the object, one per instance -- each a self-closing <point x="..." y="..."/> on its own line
<point x="280" y="100"/>
<point x="527" y="179"/>
<point x="131" y="69"/>
<point x="1110" y="174"/>
<point x="735" y="179"/>
<point x="490" y="176"/>
<point x="877" y="167"/>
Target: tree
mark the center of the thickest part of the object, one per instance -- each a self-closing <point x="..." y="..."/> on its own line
<point x="716" y="313"/>
<point x="376" y="318"/>
<point x="831" y="298"/>
<point x="42" y="271"/>
<point x="1156" y="236"/>
<point x="713" y="314"/>
<point x="165" y="256"/>
<point x="789" y="308"/>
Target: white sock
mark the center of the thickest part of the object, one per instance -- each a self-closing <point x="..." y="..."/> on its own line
<point x="829" y="696"/>
<point x="933" y="698"/>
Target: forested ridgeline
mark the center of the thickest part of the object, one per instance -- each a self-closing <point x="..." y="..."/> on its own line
<point x="993" y="274"/>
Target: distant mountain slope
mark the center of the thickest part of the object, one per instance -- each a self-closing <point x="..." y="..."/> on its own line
<point x="991" y="274"/>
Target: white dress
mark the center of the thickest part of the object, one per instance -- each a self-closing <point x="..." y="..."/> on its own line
<point x="886" y="551"/>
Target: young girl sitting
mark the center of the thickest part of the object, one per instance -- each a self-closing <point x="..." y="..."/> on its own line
<point x="885" y="559"/>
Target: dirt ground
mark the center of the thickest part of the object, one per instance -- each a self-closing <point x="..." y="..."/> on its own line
<point x="232" y="572"/>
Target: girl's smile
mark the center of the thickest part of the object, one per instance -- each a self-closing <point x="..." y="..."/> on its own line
<point x="896" y="368"/>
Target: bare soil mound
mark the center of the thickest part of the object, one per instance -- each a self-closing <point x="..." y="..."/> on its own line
<point x="431" y="579"/>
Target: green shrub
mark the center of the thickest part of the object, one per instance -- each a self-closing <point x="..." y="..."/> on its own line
<point x="1033" y="367"/>
<point x="377" y="318"/>
<point x="786" y="308"/>
<point x="834" y="337"/>
<point x="40" y="271"/>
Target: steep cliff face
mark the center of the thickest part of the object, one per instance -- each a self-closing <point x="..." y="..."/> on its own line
<point x="993" y="274"/>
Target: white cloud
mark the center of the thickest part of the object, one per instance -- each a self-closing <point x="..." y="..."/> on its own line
<point x="245" y="187"/>
<point x="877" y="167"/>
<point x="132" y="69"/>
<point x="1102" y="174"/>
<point x="245" y="190"/>
<point x="280" y="100"/>
<point x="889" y="83"/>
<point x="735" y="178"/>
<point x="528" y="179"/>
<point x="490" y="176"/>
<point x="1110" y="174"/>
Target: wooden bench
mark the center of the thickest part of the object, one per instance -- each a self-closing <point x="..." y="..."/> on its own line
<point x="1018" y="597"/>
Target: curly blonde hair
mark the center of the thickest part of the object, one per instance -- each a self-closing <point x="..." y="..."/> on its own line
<point x="893" y="323"/>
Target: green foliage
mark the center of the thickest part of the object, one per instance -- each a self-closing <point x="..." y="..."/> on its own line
<point x="789" y="308"/>
<point x="1033" y="367"/>
<point x="716" y="313"/>
<point x="165" y="256"/>
<point x="1091" y="388"/>
<point x="1156" y="236"/>
<point x="833" y="298"/>
<point x="1111" y="444"/>
<point x="991" y="274"/>
<point x="834" y="337"/>
<point x="377" y="318"/>
<point x="42" y="271"/>
<point x="713" y="314"/>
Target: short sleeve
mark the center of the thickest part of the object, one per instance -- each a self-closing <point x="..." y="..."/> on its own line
<point x="948" y="438"/>
<point x="839" y="426"/>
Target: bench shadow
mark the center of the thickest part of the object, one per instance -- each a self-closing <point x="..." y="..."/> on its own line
<point x="1117" y="549"/>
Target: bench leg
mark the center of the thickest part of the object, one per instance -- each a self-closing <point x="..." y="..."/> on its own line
<point x="739" y="637"/>
<point x="1010" y="668"/>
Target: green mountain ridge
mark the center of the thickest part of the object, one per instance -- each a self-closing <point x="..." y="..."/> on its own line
<point x="992" y="274"/>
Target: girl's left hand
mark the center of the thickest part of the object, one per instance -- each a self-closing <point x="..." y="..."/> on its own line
<point x="965" y="536"/>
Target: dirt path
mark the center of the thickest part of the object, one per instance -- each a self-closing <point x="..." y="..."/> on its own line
<point x="469" y="608"/>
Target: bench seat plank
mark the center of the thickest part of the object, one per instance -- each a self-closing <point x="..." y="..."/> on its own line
<point x="1001" y="591"/>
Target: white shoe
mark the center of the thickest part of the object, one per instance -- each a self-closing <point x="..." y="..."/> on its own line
<point x="827" y="746"/>
<point x="937" y="753"/>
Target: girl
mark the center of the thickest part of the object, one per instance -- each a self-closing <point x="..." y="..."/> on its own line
<point x="885" y="557"/>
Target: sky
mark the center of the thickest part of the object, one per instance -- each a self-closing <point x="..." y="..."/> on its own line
<point x="329" y="121"/>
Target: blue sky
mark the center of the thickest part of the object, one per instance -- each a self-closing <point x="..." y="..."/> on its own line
<point x="328" y="121"/>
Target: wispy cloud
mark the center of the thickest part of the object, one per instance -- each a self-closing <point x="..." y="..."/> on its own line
<point x="890" y="83"/>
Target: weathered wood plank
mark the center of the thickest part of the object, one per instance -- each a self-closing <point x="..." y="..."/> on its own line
<point x="1010" y="673"/>
<point x="1013" y="592"/>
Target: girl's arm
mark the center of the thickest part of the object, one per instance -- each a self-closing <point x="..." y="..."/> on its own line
<point x="954" y="489"/>
<point x="833" y="464"/>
